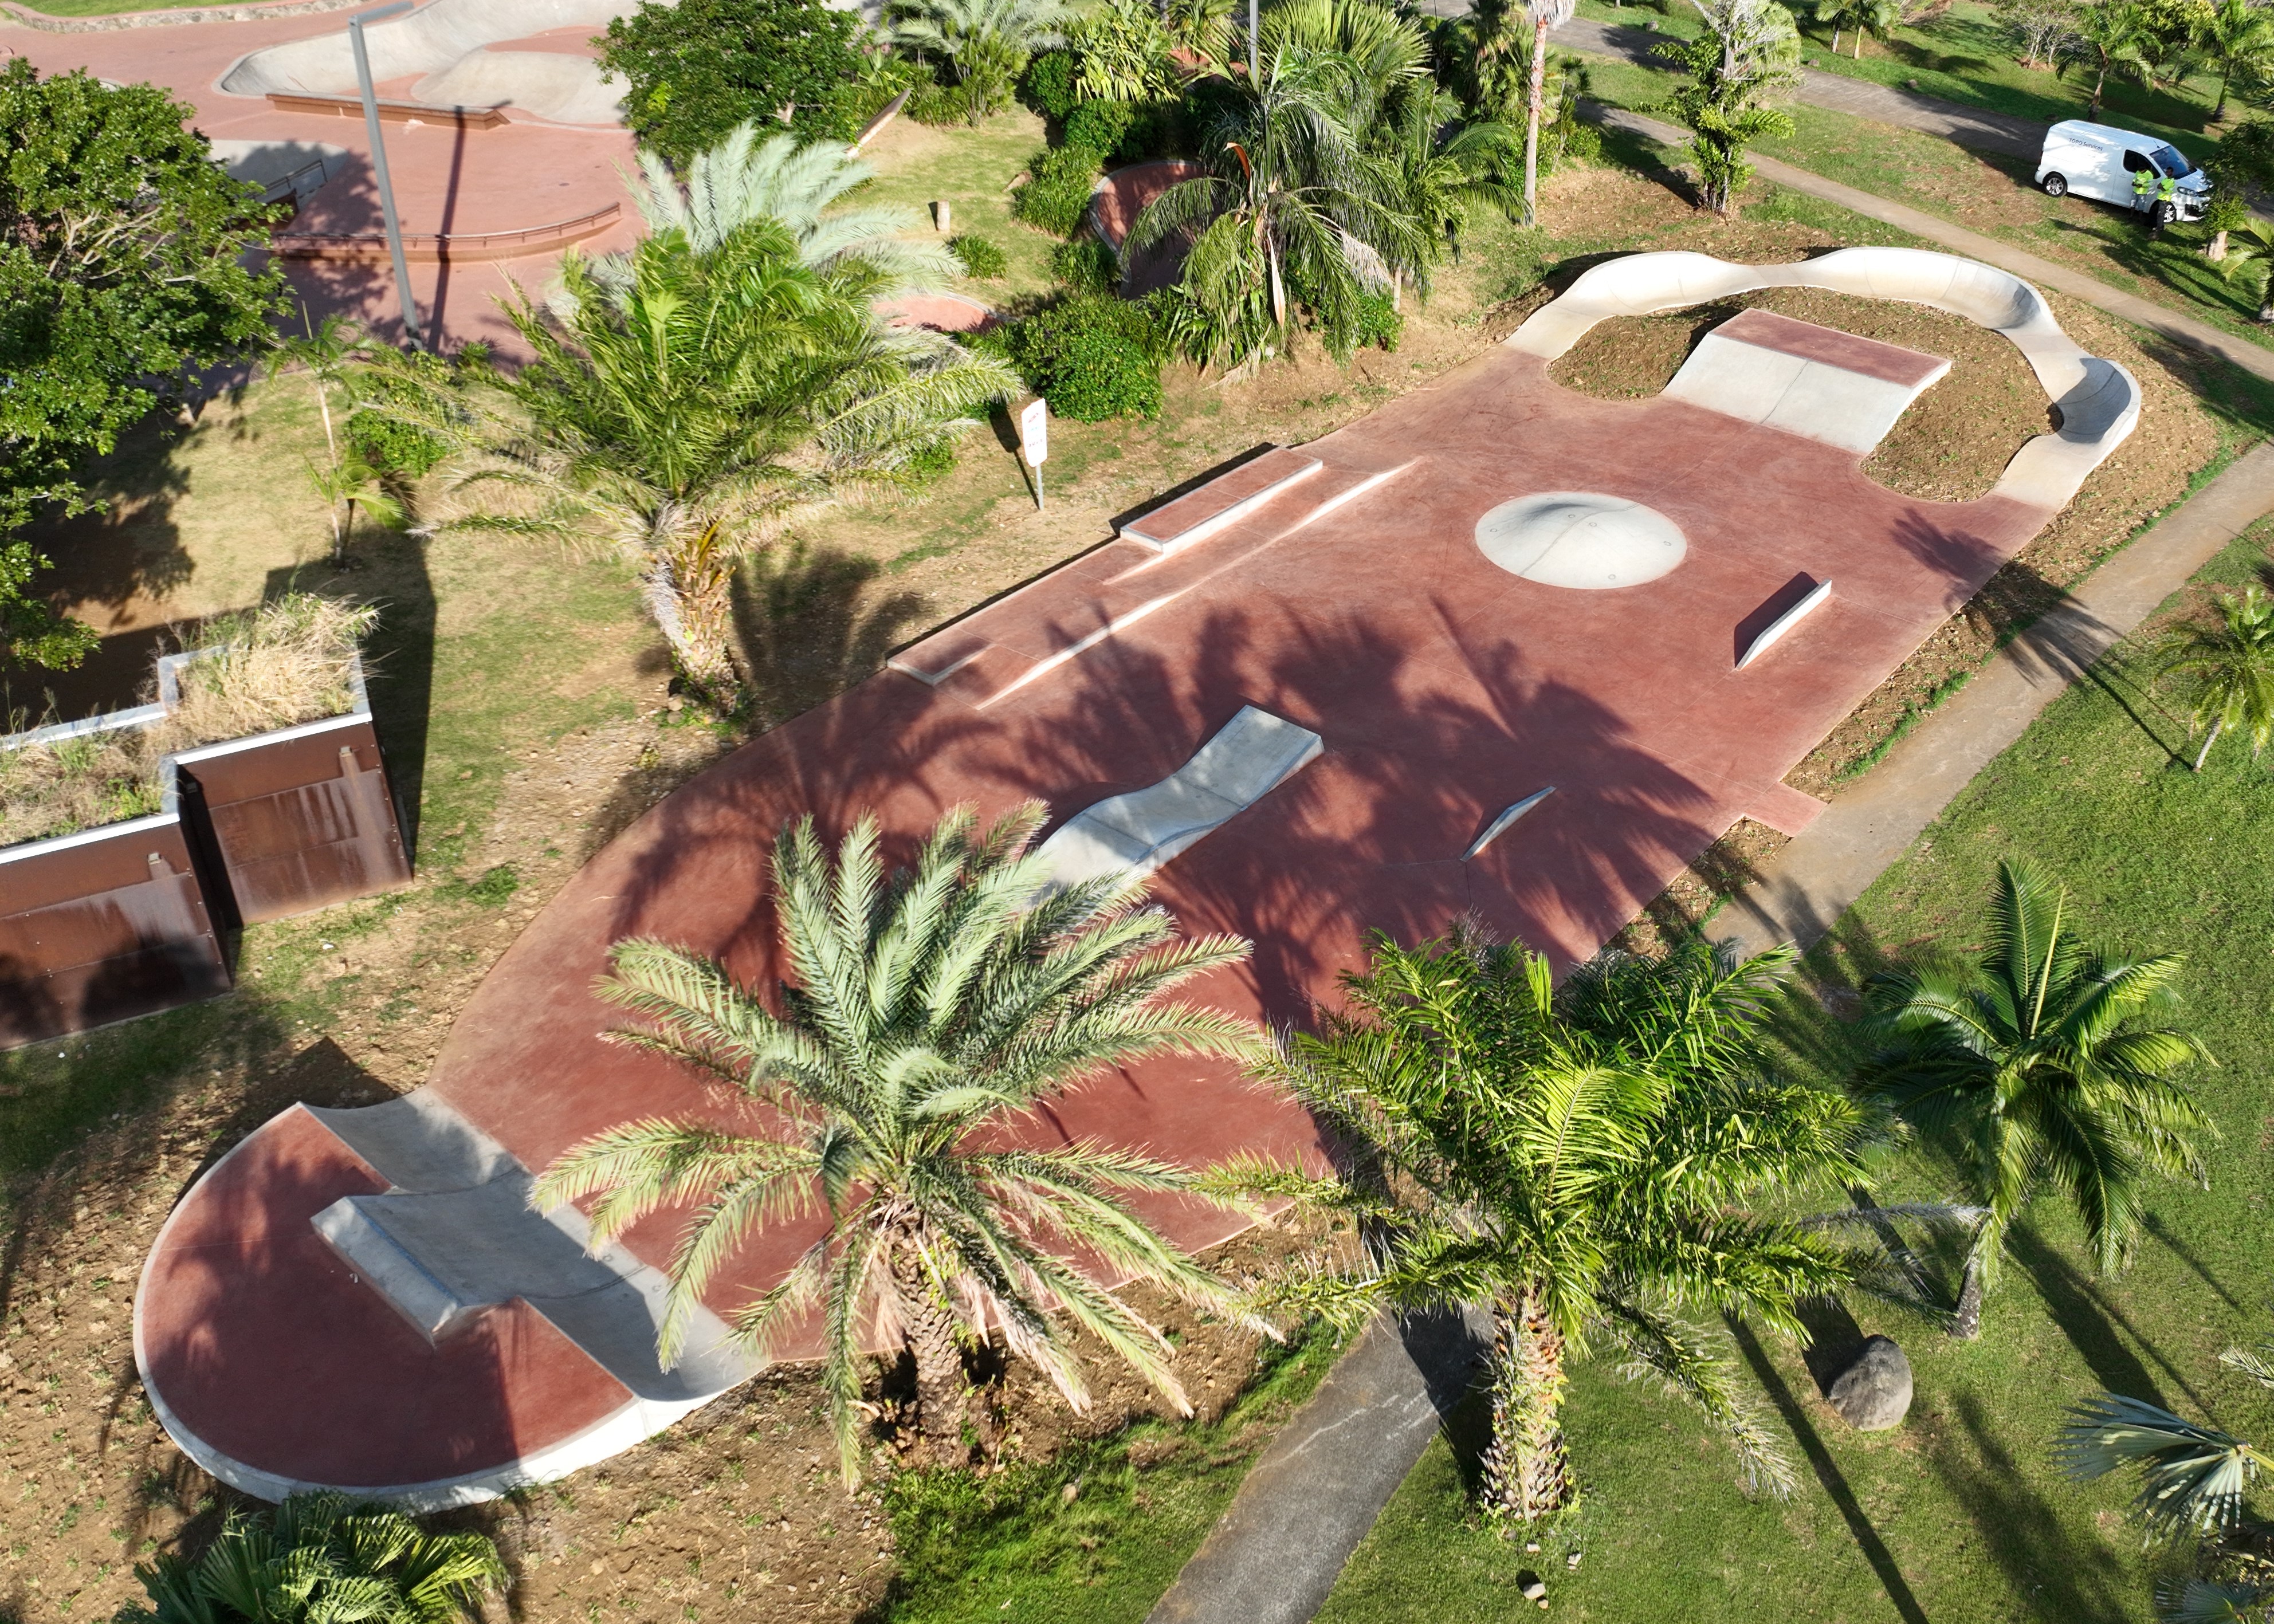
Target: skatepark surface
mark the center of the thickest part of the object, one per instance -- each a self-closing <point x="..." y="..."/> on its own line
<point x="1506" y="726"/>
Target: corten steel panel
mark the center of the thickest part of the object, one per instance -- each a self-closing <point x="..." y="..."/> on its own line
<point x="101" y="930"/>
<point x="301" y="823"/>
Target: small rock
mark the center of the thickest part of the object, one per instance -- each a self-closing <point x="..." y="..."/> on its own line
<point x="1874" y="1392"/>
<point x="1532" y="1589"/>
<point x="1532" y="1546"/>
<point x="1571" y="1561"/>
<point x="1072" y="1492"/>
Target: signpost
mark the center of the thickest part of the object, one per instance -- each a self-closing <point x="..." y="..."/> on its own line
<point x="379" y="164"/>
<point x="1035" y="441"/>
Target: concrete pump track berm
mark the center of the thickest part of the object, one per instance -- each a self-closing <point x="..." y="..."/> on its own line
<point x="1376" y="682"/>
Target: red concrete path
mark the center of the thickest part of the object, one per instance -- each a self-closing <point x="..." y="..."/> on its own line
<point x="1444" y="690"/>
<point x="446" y="180"/>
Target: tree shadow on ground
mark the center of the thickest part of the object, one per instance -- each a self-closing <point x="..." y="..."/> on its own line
<point x="810" y="624"/>
<point x="2102" y="1332"/>
<point x="2065" y="1578"/>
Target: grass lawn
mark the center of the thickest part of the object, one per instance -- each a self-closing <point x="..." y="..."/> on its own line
<point x="1957" y="1515"/>
<point x="102" y="8"/>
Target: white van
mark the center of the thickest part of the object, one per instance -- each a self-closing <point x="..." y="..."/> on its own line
<point x="2094" y="160"/>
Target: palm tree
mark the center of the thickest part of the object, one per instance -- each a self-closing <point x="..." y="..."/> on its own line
<point x="2251" y="248"/>
<point x="2231" y="663"/>
<point x="2192" y="1482"/>
<point x="679" y="418"/>
<point x="1581" y="1161"/>
<point x="1295" y="195"/>
<point x="330" y="353"/>
<point x="928" y="1009"/>
<point x="2045" y="1060"/>
<point x="2237" y="34"/>
<point x="1383" y="51"/>
<point x="988" y="42"/>
<point x="353" y="481"/>
<point x="1440" y="167"/>
<point x="1747" y="52"/>
<point x="2116" y="36"/>
<point x="1546" y="14"/>
<point x="753" y="175"/>
<point x="322" y="1558"/>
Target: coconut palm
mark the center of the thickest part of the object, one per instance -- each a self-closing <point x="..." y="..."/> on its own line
<point x="1441" y="168"/>
<point x="1747" y="52"/>
<point x="323" y="1559"/>
<point x="2231" y="663"/>
<point x="349" y="480"/>
<point x="2250" y="251"/>
<point x="678" y="420"/>
<point x="928" y="1010"/>
<point x="1546" y="14"/>
<point x="2118" y="37"/>
<point x="1201" y="27"/>
<point x="1582" y="1162"/>
<point x="330" y="353"/>
<point x="2192" y="1482"/>
<point x="2237" y="35"/>
<point x="2044" y="1061"/>
<point x="1296" y="199"/>
<point x="1878" y="17"/>
<point x="754" y="175"/>
<point x="988" y="42"/>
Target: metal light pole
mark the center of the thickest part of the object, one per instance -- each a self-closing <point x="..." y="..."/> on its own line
<point x="379" y="165"/>
<point x="1251" y="80"/>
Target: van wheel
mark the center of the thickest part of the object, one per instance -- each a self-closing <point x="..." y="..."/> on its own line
<point x="2055" y="185"/>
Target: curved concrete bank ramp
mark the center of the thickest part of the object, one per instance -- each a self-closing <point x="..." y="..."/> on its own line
<point x="448" y="44"/>
<point x="362" y="1299"/>
<point x="2099" y="401"/>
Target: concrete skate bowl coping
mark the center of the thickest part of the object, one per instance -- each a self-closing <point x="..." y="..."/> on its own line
<point x="2098" y="401"/>
<point x="530" y="56"/>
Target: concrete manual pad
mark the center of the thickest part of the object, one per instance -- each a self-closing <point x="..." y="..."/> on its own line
<point x="1441" y="692"/>
<point x="1792" y="375"/>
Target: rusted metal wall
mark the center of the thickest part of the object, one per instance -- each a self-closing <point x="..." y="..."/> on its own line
<point x="299" y="819"/>
<point x="102" y="926"/>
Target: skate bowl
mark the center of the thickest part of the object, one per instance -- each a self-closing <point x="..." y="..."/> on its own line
<point x="2097" y="400"/>
<point x="450" y="47"/>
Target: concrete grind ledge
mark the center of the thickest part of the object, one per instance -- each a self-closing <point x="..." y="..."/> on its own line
<point x="1279" y="1547"/>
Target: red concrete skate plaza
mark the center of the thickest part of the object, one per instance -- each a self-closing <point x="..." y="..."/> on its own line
<point x="1345" y="586"/>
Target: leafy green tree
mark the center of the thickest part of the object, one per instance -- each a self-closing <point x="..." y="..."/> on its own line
<point x="323" y="1559"/>
<point x="696" y="68"/>
<point x="2192" y="1482"/>
<point x="2040" y="30"/>
<point x="122" y="273"/>
<point x="987" y="44"/>
<point x="1747" y="51"/>
<point x="2231" y="664"/>
<point x="676" y="419"/>
<point x="1120" y="53"/>
<point x="1295" y="195"/>
<point x="1583" y="1161"/>
<point x="928" y="1009"/>
<point x="2044" y="1061"/>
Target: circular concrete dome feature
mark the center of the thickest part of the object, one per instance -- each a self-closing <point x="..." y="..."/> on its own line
<point x="1581" y="539"/>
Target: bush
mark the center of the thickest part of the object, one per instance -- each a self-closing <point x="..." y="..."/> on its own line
<point x="391" y="446"/>
<point x="1092" y="357"/>
<point x="1379" y="322"/>
<point x="1099" y="126"/>
<point x="1086" y="265"/>
<point x="696" y="68"/>
<point x="931" y="103"/>
<point x="932" y="463"/>
<point x="1047" y="85"/>
<point x="1056" y="198"/>
<point x="982" y="259"/>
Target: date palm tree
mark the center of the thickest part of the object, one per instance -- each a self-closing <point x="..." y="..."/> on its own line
<point x="2044" y="1061"/>
<point x="2192" y="1482"/>
<point x="679" y="417"/>
<point x="988" y="42"/>
<point x="2231" y="663"/>
<point x="322" y="1558"/>
<point x="1582" y="1162"/>
<point x="928" y="1010"/>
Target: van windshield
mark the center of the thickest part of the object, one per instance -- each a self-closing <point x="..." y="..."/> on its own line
<point x="2172" y="161"/>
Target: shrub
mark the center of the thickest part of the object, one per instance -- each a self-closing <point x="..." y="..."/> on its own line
<point x="1056" y="197"/>
<point x="1047" y="85"/>
<point x="931" y="103"/>
<point x="1379" y="322"/>
<point x="378" y="432"/>
<point x="1099" y="126"/>
<point x="697" y="68"/>
<point x="1092" y="357"/>
<point x="933" y="461"/>
<point x="1086" y="265"/>
<point x="982" y="258"/>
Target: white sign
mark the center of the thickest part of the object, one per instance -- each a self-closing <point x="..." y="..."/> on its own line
<point x="1035" y="431"/>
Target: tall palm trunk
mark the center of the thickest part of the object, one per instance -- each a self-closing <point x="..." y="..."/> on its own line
<point x="2203" y="755"/>
<point x="943" y="1390"/>
<point x="1835" y="39"/>
<point x="1532" y="121"/>
<point x="1526" y="1465"/>
<point x="1966" y="1323"/>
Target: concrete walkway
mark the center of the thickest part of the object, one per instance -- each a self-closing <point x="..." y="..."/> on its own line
<point x="2077" y="284"/>
<point x="1815" y="878"/>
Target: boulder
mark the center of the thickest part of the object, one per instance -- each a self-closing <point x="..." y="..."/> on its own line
<point x="1874" y="1392"/>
